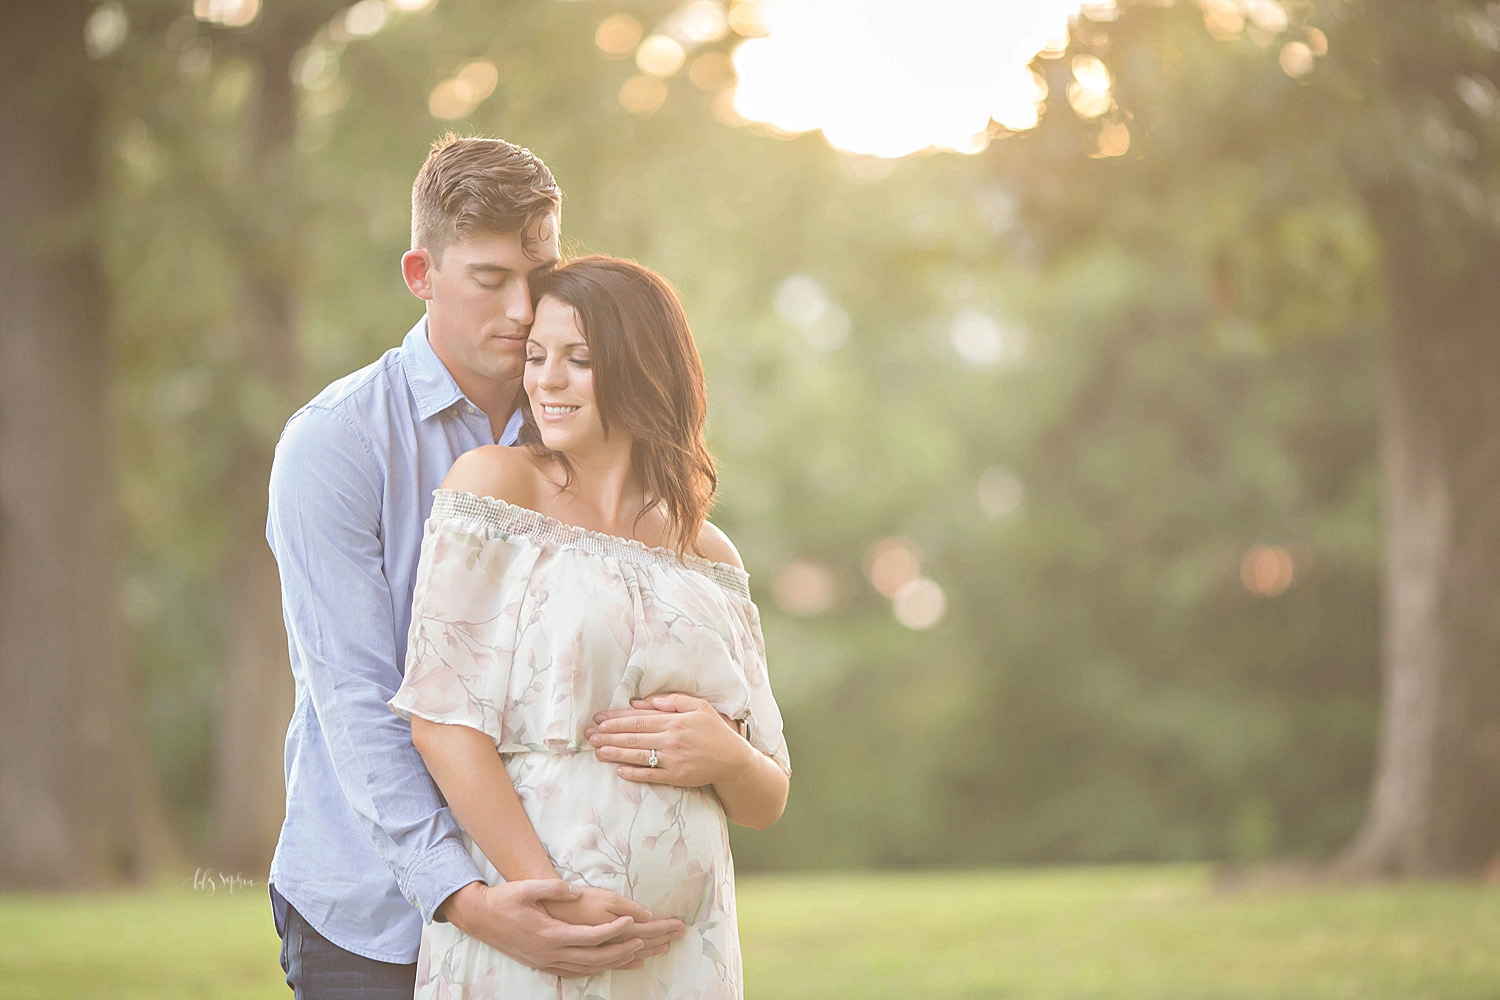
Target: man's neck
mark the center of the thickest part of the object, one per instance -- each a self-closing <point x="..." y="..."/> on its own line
<point x="497" y="400"/>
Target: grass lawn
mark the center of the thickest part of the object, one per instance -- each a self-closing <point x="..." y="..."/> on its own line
<point x="1146" y="933"/>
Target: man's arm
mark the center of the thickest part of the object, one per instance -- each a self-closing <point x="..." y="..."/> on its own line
<point x="325" y="530"/>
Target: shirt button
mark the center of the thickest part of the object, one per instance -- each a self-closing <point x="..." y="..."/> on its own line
<point x="470" y="407"/>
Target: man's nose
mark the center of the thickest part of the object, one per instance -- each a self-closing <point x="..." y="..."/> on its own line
<point x="519" y="309"/>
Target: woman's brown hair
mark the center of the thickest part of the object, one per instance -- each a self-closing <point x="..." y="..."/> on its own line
<point x="648" y="381"/>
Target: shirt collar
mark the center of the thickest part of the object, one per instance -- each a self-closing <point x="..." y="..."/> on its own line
<point x="512" y="432"/>
<point x="431" y="384"/>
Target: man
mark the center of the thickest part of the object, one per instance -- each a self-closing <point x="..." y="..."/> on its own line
<point x="369" y="851"/>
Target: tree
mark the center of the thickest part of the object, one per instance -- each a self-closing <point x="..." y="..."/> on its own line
<point x="1203" y="312"/>
<point x="1398" y="122"/>
<point x="1435" y="205"/>
<point x="77" y="804"/>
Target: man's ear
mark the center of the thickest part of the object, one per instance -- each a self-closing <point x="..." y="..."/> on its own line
<point x="416" y="268"/>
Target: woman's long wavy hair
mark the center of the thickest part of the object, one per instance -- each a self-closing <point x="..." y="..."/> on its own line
<point x="648" y="381"/>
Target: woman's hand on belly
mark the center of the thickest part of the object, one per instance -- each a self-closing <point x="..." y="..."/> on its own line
<point x="594" y="907"/>
<point x="693" y="744"/>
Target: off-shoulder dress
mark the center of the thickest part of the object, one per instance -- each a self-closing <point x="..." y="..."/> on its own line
<point x="523" y="628"/>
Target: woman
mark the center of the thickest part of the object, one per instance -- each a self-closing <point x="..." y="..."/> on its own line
<point x="571" y="578"/>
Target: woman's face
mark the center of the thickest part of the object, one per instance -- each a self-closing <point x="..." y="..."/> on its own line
<point x="559" y="380"/>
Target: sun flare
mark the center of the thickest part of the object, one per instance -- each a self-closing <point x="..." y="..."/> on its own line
<point x="892" y="77"/>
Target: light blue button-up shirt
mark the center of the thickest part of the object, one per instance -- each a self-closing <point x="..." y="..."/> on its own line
<point x="368" y="849"/>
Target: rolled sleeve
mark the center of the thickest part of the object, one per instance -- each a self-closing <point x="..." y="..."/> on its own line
<point x="437" y="875"/>
<point x="324" y="527"/>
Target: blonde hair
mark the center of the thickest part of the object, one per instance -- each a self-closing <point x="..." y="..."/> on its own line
<point x="476" y="184"/>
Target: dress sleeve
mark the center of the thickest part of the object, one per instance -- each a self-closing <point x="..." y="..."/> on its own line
<point x="762" y="714"/>
<point x="469" y="595"/>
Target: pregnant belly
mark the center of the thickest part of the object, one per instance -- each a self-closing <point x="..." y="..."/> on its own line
<point x="666" y="848"/>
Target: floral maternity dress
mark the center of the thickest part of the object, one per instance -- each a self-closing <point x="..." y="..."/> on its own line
<point x="524" y="627"/>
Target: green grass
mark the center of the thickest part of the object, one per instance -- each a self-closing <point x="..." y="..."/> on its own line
<point x="1147" y="933"/>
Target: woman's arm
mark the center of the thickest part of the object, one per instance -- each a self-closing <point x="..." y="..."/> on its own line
<point x="469" y="770"/>
<point x="466" y="766"/>
<point x="694" y="744"/>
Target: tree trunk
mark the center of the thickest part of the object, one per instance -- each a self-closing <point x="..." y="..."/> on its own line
<point x="1435" y="807"/>
<point x="255" y="701"/>
<point x="76" y="803"/>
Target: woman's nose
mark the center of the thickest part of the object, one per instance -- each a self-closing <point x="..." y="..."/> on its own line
<point x="554" y="375"/>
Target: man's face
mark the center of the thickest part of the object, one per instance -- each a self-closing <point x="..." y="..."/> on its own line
<point x="479" y="301"/>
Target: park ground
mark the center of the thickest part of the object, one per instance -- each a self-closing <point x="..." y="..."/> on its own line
<point x="1097" y="933"/>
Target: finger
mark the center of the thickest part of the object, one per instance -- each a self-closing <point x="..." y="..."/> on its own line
<point x="647" y="775"/>
<point x="570" y="969"/>
<point x="634" y="911"/>
<point x="619" y="713"/>
<point x="601" y="957"/>
<point x="674" y="701"/>
<point x="660" y="933"/>
<point x="585" y="936"/>
<point x="626" y="756"/>
<point x="565" y="971"/>
<point x="628" y="741"/>
<point x="575" y="969"/>
<point x="650" y="722"/>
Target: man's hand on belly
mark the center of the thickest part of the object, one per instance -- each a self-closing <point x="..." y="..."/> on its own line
<point x="514" y="918"/>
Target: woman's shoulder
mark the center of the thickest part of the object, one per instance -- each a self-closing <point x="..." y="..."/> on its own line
<point x="713" y="544"/>
<point x="498" y="471"/>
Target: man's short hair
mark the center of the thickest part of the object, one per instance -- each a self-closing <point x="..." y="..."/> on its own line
<point x="480" y="185"/>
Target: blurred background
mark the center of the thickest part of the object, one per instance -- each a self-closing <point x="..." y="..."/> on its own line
<point x="1107" y="398"/>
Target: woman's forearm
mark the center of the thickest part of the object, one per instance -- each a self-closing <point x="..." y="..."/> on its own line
<point x="754" y="790"/>
<point x="468" y="769"/>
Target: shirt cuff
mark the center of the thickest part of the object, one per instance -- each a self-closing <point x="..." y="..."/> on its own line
<point x="437" y="875"/>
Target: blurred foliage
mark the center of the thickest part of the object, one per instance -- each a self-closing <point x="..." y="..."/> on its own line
<point x="1083" y="387"/>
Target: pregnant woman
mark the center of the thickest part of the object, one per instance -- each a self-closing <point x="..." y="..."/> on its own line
<point x="561" y="583"/>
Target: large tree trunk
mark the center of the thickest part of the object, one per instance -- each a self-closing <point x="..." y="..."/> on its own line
<point x="255" y="702"/>
<point x="1435" y="808"/>
<point x="76" y="803"/>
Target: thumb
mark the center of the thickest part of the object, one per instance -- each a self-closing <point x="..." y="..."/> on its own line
<point x="539" y="890"/>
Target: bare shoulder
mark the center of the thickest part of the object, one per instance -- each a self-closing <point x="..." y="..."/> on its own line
<point x="714" y="544"/>
<point x="498" y="471"/>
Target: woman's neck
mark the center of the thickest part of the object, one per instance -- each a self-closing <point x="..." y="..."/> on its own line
<point x="604" y="489"/>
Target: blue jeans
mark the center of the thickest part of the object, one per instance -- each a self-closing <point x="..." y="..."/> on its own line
<point x="318" y="969"/>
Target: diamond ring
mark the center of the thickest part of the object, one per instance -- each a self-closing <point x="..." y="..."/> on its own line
<point x="652" y="761"/>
